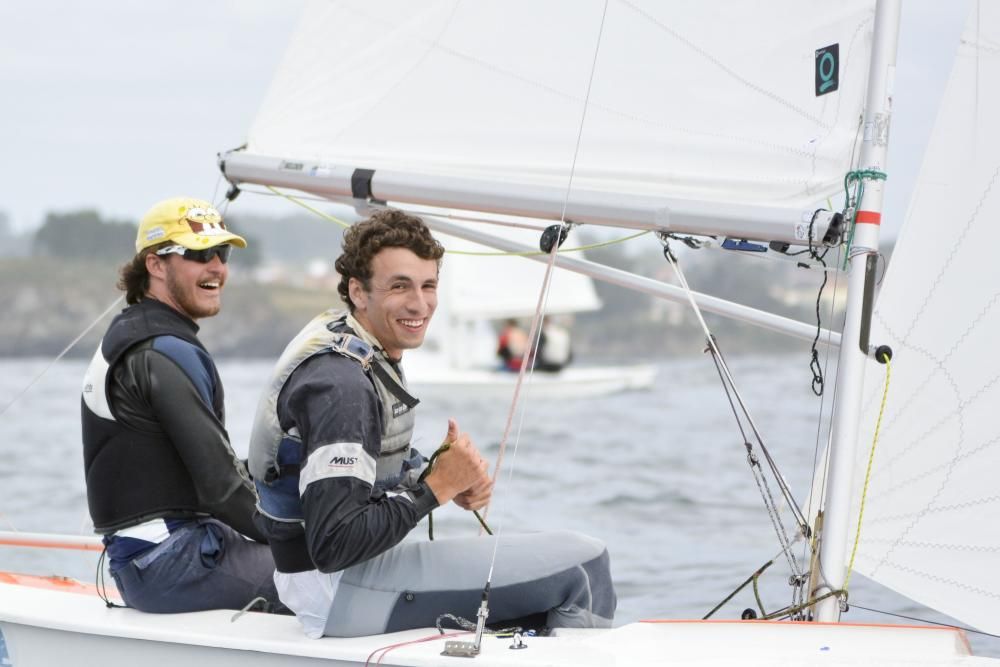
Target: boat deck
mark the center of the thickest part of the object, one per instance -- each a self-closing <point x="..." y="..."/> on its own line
<point x="47" y="625"/>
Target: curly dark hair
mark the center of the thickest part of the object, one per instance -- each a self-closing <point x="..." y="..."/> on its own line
<point x="133" y="278"/>
<point x="388" y="228"/>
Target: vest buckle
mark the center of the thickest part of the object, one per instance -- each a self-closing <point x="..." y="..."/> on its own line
<point x="353" y="347"/>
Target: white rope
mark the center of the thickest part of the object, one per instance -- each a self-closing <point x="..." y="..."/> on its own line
<point x="535" y="333"/>
<point x="62" y="354"/>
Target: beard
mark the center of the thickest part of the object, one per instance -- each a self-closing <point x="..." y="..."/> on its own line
<point x="186" y="296"/>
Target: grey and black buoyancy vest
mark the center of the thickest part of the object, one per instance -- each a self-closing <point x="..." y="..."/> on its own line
<point x="275" y="456"/>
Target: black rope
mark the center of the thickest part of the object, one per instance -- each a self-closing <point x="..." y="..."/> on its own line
<point x="794" y="609"/>
<point x="785" y="611"/>
<point x="751" y="578"/>
<point x="430" y="515"/>
<point x="929" y="622"/>
<point x="100" y="584"/>
<point x="465" y="624"/>
<point x="818" y="382"/>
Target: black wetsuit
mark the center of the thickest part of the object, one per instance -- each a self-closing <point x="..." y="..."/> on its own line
<point x="163" y="484"/>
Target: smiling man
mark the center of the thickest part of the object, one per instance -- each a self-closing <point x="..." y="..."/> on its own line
<point x="340" y="487"/>
<point x="164" y="487"/>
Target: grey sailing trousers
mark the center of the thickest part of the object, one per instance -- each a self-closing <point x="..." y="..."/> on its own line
<point x="562" y="574"/>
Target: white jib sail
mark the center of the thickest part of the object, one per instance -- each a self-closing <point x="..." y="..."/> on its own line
<point x="708" y="106"/>
<point x="930" y="526"/>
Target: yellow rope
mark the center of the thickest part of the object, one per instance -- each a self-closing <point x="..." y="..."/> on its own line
<point x="526" y="253"/>
<point x="868" y="473"/>
<point x="529" y="253"/>
<point x="295" y="200"/>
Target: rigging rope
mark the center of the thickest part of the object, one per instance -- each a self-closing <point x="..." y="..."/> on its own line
<point x="543" y="297"/>
<point x="535" y="253"/>
<point x="445" y="446"/>
<point x="729" y="383"/>
<point x="817" y="494"/>
<point x="384" y="650"/>
<point x="59" y="356"/>
<point x="311" y="209"/>
<point x="868" y="471"/>
<point x="760" y="479"/>
<point x="497" y="253"/>
<point x="963" y="628"/>
<point x="527" y="368"/>
<point x="780" y="613"/>
<point x="858" y="176"/>
<point x="752" y="578"/>
<point x="817" y="370"/>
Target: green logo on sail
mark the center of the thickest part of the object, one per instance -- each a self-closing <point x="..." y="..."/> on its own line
<point x="827" y="69"/>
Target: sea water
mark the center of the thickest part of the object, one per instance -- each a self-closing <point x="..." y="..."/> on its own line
<point x="661" y="476"/>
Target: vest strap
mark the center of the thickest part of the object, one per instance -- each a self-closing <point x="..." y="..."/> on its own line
<point x="394" y="388"/>
<point x="347" y="343"/>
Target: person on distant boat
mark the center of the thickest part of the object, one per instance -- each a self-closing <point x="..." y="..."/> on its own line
<point x="554" y="349"/>
<point x="340" y="487"/>
<point x="511" y="344"/>
<point x="173" y="502"/>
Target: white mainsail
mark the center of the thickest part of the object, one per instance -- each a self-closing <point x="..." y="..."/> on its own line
<point x="930" y="526"/>
<point x="688" y="116"/>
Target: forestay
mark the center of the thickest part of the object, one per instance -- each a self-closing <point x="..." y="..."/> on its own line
<point x="695" y="111"/>
<point x="930" y="529"/>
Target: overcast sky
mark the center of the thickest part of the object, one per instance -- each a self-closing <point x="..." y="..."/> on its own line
<point x="115" y="104"/>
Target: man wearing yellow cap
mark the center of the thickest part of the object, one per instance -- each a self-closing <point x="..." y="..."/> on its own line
<point x="165" y="489"/>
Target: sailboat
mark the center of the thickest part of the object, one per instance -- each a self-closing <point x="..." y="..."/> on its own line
<point x="479" y="287"/>
<point x="691" y="120"/>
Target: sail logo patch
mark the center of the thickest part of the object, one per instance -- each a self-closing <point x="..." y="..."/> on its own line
<point x="400" y="409"/>
<point x="827" y="69"/>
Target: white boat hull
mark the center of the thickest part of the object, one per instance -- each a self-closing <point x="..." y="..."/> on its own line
<point x="572" y="382"/>
<point x="51" y="627"/>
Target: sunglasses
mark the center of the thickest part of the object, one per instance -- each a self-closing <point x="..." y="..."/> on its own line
<point x="201" y="256"/>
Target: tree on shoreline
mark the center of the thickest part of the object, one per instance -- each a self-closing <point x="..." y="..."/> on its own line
<point x="83" y="234"/>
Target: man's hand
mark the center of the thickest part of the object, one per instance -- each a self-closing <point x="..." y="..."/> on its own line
<point x="477" y="497"/>
<point x="459" y="471"/>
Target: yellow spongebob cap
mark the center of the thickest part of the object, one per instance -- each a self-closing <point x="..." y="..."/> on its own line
<point x="192" y="223"/>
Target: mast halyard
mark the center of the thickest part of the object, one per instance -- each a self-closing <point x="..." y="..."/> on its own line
<point x="851" y="364"/>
